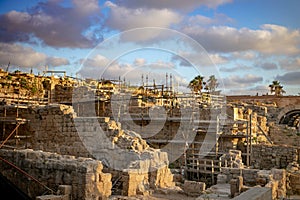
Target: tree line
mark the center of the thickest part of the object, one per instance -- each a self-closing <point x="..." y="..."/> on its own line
<point x="197" y="84"/>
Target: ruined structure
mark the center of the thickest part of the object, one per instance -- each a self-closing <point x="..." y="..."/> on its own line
<point x="87" y="139"/>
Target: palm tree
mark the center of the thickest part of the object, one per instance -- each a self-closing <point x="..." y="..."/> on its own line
<point x="212" y="84"/>
<point x="276" y="88"/>
<point x="196" y="85"/>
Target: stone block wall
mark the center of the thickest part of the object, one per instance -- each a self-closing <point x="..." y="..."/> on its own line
<point x="249" y="175"/>
<point x="83" y="174"/>
<point x="273" y="156"/>
<point x="52" y="128"/>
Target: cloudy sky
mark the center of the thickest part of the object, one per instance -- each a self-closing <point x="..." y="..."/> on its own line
<point x="246" y="43"/>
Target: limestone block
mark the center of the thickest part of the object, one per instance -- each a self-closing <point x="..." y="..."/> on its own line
<point x="178" y="178"/>
<point x="274" y="188"/>
<point x="255" y="193"/>
<point x="161" y="178"/>
<point x="193" y="188"/>
<point x="236" y="186"/>
<point x="294" y="182"/>
<point x="222" y="178"/>
<point x="261" y="181"/>
<point x="280" y="176"/>
<point x="64" y="190"/>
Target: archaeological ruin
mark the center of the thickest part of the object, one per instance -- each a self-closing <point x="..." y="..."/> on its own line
<point x="66" y="138"/>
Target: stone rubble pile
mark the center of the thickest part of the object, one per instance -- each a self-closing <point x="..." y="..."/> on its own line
<point x="232" y="159"/>
<point x="142" y="167"/>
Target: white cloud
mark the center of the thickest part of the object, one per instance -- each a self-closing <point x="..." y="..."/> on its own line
<point x="250" y="90"/>
<point x="56" y="61"/>
<point x="187" y="58"/>
<point x="26" y="57"/>
<point x="261" y="89"/>
<point x="122" y="18"/>
<point x="98" y="67"/>
<point x="139" y="61"/>
<point x="86" y="7"/>
<point x="96" y="61"/>
<point x="268" y="66"/>
<point x="52" y="24"/>
<point x="291" y="78"/>
<point x="172" y="4"/>
<point x="161" y="65"/>
<point x="238" y="67"/>
<point x="290" y="64"/>
<point x="218" y="59"/>
<point x="244" y="55"/>
<point x="93" y="67"/>
<point x="236" y="81"/>
<point x="270" y="39"/>
<point x="201" y="20"/>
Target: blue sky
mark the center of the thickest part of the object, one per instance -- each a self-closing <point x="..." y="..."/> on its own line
<point x="246" y="43"/>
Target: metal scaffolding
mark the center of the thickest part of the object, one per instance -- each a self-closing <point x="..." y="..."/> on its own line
<point x="11" y="123"/>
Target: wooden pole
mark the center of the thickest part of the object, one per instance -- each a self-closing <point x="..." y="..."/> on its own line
<point x="250" y="131"/>
<point x="217" y="137"/>
<point x="247" y="140"/>
<point x="212" y="172"/>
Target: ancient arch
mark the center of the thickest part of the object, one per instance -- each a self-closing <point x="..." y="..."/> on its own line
<point x="290" y="116"/>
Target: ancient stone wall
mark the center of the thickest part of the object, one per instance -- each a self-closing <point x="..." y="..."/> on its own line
<point x="280" y="101"/>
<point x="62" y="94"/>
<point x="273" y="156"/>
<point x="249" y="175"/>
<point x="83" y="174"/>
<point x="54" y="128"/>
<point x="143" y="167"/>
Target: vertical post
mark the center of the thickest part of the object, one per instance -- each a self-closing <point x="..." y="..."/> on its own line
<point x="16" y="141"/>
<point x="166" y="81"/>
<point x="78" y="109"/>
<point x="217" y="137"/>
<point x="98" y="106"/>
<point x="198" y="170"/>
<point x="3" y="135"/>
<point x="103" y="108"/>
<point x="247" y="140"/>
<point x="162" y="95"/>
<point x="17" y="123"/>
<point x="250" y="133"/>
<point x="220" y="164"/>
<point x="171" y="83"/>
<point x="184" y="169"/>
<point x="18" y="104"/>
<point x="212" y="172"/>
<point x="119" y="84"/>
